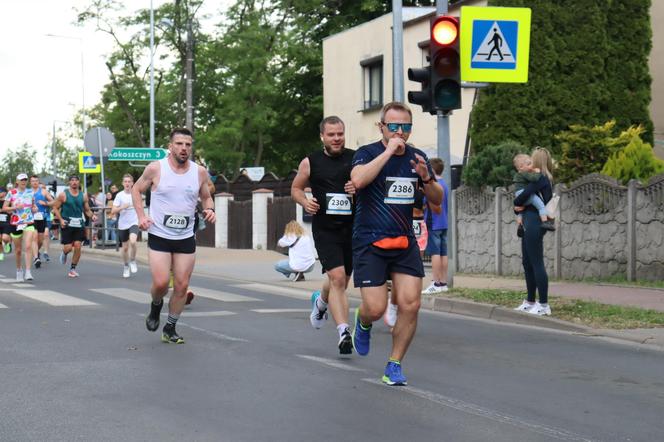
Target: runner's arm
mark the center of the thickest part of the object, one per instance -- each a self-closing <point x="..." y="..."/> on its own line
<point x="364" y="174"/>
<point x="56" y="208"/>
<point x="301" y="182"/>
<point x="140" y="187"/>
<point x="86" y="208"/>
<point x="206" y="197"/>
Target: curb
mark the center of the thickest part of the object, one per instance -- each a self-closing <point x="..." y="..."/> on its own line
<point x="458" y="307"/>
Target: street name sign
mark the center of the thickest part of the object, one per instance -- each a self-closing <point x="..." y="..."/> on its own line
<point x="136" y="154"/>
<point x="495" y="44"/>
<point x="87" y="163"/>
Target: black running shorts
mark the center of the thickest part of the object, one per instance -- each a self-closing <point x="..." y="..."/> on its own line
<point x="123" y="235"/>
<point x="334" y="247"/>
<point x="40" y="225"/>
<point x="159" y="244"/>
<point x="372" y="265"/>
<point x="70" y="235"/>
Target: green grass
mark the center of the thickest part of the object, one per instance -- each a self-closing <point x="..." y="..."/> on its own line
<point x="592" y="314"/>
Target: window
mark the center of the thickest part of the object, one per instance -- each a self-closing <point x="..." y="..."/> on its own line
<point x="373" y="82"/>
<point x="424" y="52"/>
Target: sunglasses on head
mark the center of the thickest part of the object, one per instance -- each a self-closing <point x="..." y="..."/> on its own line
<point x="394" y="127"/>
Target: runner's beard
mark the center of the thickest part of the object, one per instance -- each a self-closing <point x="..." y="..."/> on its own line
<point x="181" y="160"/>
<point x="333" y="153"/>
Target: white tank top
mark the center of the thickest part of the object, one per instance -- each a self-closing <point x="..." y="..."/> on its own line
<point x="173" y="202"/>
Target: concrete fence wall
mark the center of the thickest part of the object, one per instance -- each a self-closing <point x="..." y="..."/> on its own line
<point x="603" y="230"/>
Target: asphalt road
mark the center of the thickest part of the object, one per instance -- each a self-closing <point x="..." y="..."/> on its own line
<point x="77" y="364"/>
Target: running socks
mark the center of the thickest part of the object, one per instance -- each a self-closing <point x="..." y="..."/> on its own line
<point x="341" y="328"/>
<point x="172" y="319"/>
<point x="73" y="266"/>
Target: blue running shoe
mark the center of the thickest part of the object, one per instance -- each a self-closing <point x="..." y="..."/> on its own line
<point x="361" y="336"/>
<point x="393" y="375"/>
<point x="317" y="317"/>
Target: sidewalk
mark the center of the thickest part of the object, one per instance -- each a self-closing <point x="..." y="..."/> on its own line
<point x="258" y="266"/>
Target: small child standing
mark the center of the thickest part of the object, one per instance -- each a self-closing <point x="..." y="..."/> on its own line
<point x="525" y="175"/>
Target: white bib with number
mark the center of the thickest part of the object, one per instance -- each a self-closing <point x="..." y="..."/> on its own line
<point x="417" y="227"/>
<point x="3" y="217"/>
<point x="400" y="190"/>
<point x="177" y="222"/>
<point x="338" y="204"/>
<point x="75" y="222"/>
<point x="38" y="216"/>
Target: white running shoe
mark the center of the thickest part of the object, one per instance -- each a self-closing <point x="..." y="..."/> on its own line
<point x="525" y="307"/>
<point x="434" y="289"/>
<point x="125" y="272"/>
<point x="19" y="276"/>
<point x="28" y="275"/>
<point x="540" y="310"/>
<point x="133" y="267"/>
<point x="390" y="316"/>
<point x="317" y="317"/>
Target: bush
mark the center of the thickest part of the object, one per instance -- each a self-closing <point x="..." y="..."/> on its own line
<point x="636" y="161"/>
<point x="492" y="166"/>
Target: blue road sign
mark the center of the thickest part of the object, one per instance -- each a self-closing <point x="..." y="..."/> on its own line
<point x="494" y="44"/>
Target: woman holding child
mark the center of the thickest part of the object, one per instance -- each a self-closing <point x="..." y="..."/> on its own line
<point x="534" y="228"/>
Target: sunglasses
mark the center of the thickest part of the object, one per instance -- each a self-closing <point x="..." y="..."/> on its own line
<point x="394" y="127"/>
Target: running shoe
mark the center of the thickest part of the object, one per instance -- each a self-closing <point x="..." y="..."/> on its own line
<point x="152" y="319"/>
<point x="190" y="297"/>
<point x="46" y="257"/>
<point x="36" y="262"/>
<point x="361" y="336"/>
<point x="345" y="343"/>
<point x="540" y="310"/>
<point x="317" y="317"/>
<point x="393" y="375"/>
<point x="73" y="273"/>
<point x="133" y="267"/>
<point x="524" y="307"/>
<point x="7" y="248"/>
<point x="19" y="276"/>
<point x="125" y="272"/>
<point x="390" y="316"/>
<point x="63" y="258"/>
<point x="170" y="336"/>
<point x="434" y="289"/>
<point x="28" y="275"/>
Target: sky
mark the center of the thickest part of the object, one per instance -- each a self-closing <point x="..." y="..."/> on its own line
<point x="40" y="76"/>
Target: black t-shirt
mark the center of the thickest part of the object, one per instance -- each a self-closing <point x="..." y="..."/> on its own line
<point x="328" y="176"/>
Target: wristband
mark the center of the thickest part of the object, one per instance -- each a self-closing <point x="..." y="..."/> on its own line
<point x="209" y="208"/>
<point x="427" y="181"/>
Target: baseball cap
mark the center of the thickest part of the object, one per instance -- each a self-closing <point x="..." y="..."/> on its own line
<point x="21" y="176"/>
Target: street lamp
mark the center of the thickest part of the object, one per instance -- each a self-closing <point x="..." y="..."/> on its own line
<point x="80" y="40"/>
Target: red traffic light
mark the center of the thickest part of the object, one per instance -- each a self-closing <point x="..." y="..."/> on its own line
<point x="445" y="30"/>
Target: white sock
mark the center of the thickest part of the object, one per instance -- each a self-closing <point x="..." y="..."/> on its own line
<point x="341" y="328"/>
<point x="322" y="305"/>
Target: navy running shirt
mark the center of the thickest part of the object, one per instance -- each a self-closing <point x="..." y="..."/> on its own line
<point x="384" y="208"/>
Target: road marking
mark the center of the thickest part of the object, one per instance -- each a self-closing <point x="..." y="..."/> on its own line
<point x="493" y="415"/>
<point x="213" y="333"/>
<point x="204" y="314"/>
<point x="276" y="290"/>
<point x="8" y="280"/>
<point x="282" y="310"/>
<point x="126" y="294"/>
<point x="221" y="296"/>
<point x="23" y="285"/>
<point x="331" y="363"/>
<point x="3" y="306"/>
<point x="53" y="298"/>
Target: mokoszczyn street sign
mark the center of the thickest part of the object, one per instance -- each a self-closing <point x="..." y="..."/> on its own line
<point x="136" y="154"/>
<point x="495" y="44"/>
<point x="87" y="163"/>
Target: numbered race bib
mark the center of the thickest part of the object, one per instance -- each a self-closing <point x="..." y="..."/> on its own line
<point x="20" y="227"/>
<point x="177" y="222"/>
<point x="400" y="190"/>
<point x="3" y="217"/>
<point x="75" y="222"/>
<point x="338" y="204"/>
<point x="417" y="227"/>
<point x="38" y="216"/>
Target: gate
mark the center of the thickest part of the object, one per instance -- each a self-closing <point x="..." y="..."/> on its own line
<point x="240" y="222"/>
<point x="280" y="210"/>
<point x="206" y="237"/>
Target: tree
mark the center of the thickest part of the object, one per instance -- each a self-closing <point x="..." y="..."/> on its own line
<point x="636" y="161"/>
<point x="21" y="160"/>
<point x="584" y="69"/>
<point x="493" y="165"/>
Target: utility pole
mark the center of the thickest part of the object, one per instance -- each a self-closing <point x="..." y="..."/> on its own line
<point x="397" y="51"/>
<point x="189" y="73"/>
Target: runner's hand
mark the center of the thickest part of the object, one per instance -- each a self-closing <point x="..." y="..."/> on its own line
<point x="209" y="216"/>
<point x="420" y="167"/>
<point x="349" y="188"/>
<point x="312" y="206"/>
<point x="396" y="144"/>
<point x="145" y="223"/>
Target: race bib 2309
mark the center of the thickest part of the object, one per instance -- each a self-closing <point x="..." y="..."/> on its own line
<point x="338" y="204"/>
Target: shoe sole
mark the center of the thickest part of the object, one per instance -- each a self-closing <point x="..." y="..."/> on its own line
<point x="167" y="340"/>
<point x="346" y="346"/>
<point x="387" y="381"/>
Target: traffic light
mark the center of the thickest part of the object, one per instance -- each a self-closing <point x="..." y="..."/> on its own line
<point x="54" y="186"/>
<point x="423" y="97"/>
<point x="445" y="64"/>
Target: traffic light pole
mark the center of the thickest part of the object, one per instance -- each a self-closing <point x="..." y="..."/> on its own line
<point x="444" y="154"/>
<point x="397" y="51"/>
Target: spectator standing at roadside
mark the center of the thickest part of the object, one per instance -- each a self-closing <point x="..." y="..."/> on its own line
<point x="436" y="220"/>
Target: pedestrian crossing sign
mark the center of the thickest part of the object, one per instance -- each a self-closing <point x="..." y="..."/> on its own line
<point x="87" y="163"/>
<point x="495" y="44"/>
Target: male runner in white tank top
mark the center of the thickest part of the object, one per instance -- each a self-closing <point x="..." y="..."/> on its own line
<point x="176" y="184"/>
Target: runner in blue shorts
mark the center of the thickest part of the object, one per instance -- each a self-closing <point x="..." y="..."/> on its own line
<point x="385" y="174"/>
